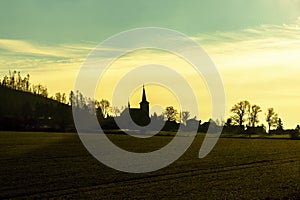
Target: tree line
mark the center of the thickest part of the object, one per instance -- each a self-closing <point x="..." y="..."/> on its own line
<point x="14" y="80"/>
<point x="243" y="114"/>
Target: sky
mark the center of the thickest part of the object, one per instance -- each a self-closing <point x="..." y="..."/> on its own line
<point x="255" y="46"/>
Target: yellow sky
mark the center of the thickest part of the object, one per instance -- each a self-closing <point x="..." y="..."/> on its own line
<point x="261" y="64"/>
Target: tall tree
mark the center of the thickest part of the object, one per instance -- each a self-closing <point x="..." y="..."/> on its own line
<point x="27" y="82"/>
<point x="253" y="115"/>
<point x="239" y="111"/>
<point x="71" y="98"/>
<point x="271" y="118"/>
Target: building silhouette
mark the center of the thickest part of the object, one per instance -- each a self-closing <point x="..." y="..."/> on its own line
<point x="140" y="115"/>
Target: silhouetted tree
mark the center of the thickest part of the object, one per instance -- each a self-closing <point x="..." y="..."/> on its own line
<point x="271" y="118"/>
<point x="5" y="81"/>
<point x="105" y="107"/>
<point x="239" y="111"/>
<point x="279" y="124"/>
<point x="185" y="115"/>
<point x="71" y="98"/>
<point x="295" y="135"/>
<point x="220" y="122"/>
<point x="27" y="82"/>
<point x="116" y="111"/>
<point x="44" y="92"/>
<point x="58" y="96"/>
<point x="228" y="122"/>
<point x="64" y="98"/>
<point x="170" y="113"/>
<point x="253" y="115"/>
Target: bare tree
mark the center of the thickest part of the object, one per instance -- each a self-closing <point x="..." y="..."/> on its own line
<point x="170" y="113"/>
<point x="27" y="82"/>
<point x="116" y="111"/>
<point x="39" y="88"/>
<point x="220" y="122"/>
<point x="239" y="111"/>
<point x="5" y="81"/>
<point x="64" y="98"/>
<point x="253" y="115"/>
<point x="105" y="107"/>
<point x="271" y="118"/>
<point x="71" y="98"/>
<point x="44" y="91"/>
<point x="185" y="115"/>
<point x="58" y="96"/>
<point x="279" y="124"/>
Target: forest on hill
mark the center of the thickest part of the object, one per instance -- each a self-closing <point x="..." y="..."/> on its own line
<point x="24" y="111"/>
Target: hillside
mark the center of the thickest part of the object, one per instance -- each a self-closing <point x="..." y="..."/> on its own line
<point x="26" y="111"/>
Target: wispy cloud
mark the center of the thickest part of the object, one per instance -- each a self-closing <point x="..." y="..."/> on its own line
<point x="263" y="38"/>
<point x="32" y="49"/>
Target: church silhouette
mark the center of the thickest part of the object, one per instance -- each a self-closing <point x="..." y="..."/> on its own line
<point x="140" y="115"/>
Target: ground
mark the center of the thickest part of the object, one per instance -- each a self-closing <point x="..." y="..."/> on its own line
<point x="56" y="165"/>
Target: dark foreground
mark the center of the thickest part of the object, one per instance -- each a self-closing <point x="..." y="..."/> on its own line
<point x="56" y="165"/>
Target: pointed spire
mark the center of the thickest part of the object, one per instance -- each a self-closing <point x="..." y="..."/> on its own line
<point x="144" y="94"/>
<point x="128" y="104"/>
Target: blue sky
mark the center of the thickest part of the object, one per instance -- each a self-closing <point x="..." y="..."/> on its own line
<point x="92" y="20"/>
<point x="254" y="44"/>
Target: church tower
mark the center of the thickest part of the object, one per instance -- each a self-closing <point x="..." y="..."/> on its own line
<point x="144" y="104"/>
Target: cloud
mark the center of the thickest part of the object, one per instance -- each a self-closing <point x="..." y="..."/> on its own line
<point x="22" y="47"/>
<point x="266" y="45"/>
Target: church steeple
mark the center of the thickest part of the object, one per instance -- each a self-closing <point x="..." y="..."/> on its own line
<point x="144" y="99"/>
<point x="144" y="105"/>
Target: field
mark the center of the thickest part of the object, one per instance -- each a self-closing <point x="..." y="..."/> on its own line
<point x="56" y="165"/>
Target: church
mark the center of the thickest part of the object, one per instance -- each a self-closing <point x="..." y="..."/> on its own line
<point x="139" y="115"/>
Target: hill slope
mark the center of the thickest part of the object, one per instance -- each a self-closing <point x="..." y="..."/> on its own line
<point x="26" y="111"/>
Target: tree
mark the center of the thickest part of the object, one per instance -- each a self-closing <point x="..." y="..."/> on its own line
<point x="228" y="122"/>
<point x="58" y="97"/>
<point x="44" y="91"/>
<point x="64" y="98"/>
<point x="71" y="98"/>
<point x="253" y="115"/>
<point x="185" y="115"/>
<point x="271" y="118"/>
<point x="279" y="124"/>
<point x="296" y="134"/>
<point x="5" y="81"/>
<point x="170" y="113"/>
<point x="105" y="107"/>
<point x="297" y="128"/>
<point x="220" y="122"/>
<point x="239" y="111"/>
<point x="27" y="82"/>
<point x="116" y="111"/>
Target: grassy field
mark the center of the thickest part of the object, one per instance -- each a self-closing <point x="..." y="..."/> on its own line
<point x="56" y="165"/>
